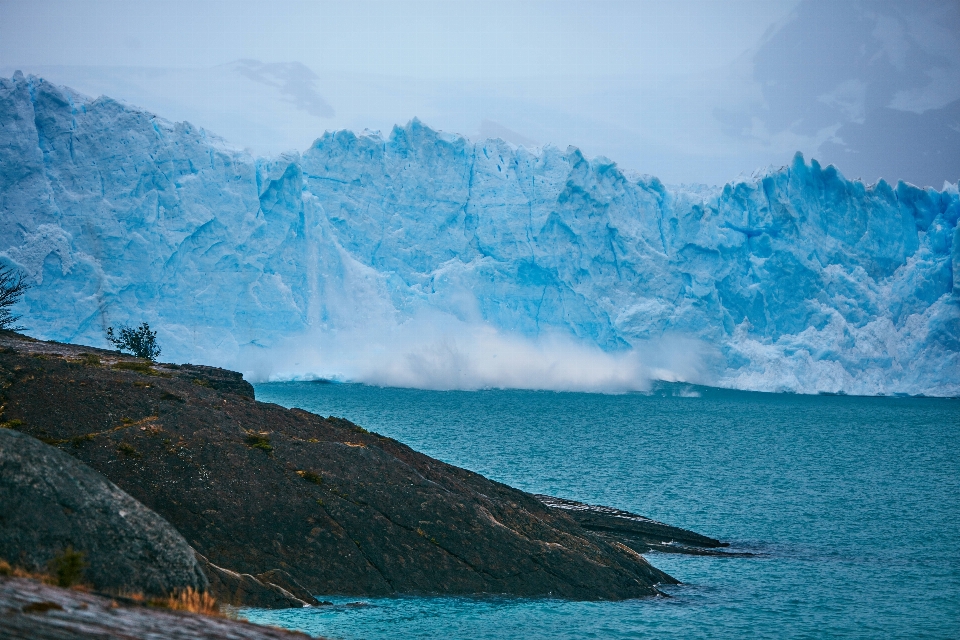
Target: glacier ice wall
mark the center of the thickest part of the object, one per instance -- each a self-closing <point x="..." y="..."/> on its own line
<point x="425" y="259"/>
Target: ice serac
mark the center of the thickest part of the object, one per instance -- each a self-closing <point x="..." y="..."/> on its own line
<point x="427" y="259"/>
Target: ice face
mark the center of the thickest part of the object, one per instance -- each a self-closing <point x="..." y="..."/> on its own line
<point x="425" y="259"/>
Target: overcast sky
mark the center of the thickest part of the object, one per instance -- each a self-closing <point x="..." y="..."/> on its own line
<point x="691" y="91"/>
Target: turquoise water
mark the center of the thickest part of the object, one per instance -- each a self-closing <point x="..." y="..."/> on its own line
<point x="852" y="504"/>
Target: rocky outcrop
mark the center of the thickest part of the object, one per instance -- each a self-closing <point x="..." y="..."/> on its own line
<point x="50" y="501"/>
<point x="256" y="487"/>
<point x="29" y="609"/>
<point x="216" y="378"/>
<point x="637" y="532"/>
<point x="285" y="581"/>
<point x="243" y="589"/>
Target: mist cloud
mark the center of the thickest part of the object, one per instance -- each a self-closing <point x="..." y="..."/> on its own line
<point x="439" y="352"/>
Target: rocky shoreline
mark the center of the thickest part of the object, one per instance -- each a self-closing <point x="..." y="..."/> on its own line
<point x="31" y="609"/>
<point x="279" y="504"/>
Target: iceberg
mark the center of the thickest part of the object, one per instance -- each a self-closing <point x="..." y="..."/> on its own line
<point x="426" y="259"/>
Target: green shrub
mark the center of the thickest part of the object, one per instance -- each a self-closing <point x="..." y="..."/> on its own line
<point x="257" y="441"/>
<point x="68" y="567"/>
<point x="139" y="341"/>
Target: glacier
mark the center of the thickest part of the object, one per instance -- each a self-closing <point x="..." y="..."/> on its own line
<point x="425" y="259"/>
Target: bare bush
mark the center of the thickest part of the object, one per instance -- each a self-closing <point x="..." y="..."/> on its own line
<point x="12" y="288"/>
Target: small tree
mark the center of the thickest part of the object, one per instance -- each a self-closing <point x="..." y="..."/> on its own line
<point x="12" y="288"/>
<point x="140" y="340"/>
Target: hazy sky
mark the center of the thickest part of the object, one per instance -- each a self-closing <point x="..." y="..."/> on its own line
<point x="691" y="91"/>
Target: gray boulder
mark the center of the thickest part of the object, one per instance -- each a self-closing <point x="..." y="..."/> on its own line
<point x="50" y="501"/>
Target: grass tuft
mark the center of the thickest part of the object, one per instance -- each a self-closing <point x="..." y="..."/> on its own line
<point x="79" y="441"/>
<point x="259" y="441"/>
<point x="88" y="359"/>
<point x="191" y="600"/>
<point x="309" y="476"/>
<point x="18" y="572"/>
<point x="127" y="449"/>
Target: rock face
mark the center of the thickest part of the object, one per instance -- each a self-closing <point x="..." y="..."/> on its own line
<point x="32" y="610"/>
<point x="49" y="500"/>
<point x="256" y="487"/>
<point x="230" y="587"/>
<point x="637" y="532"/>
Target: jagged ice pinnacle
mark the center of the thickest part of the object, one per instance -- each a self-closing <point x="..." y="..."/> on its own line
<point x="425" y="259"/>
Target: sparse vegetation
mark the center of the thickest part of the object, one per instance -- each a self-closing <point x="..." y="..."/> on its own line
<point x="166" y="395"/>
<point x="259" y="441"/>
<point x="309" y="476"/>
<point x="6" y="569"/>
<point x="140" y="367"/>
<point x="128" y="450"/>
<point x="139" y="341"/>
<point x="79" y="441"/>
<point x="11" y="424"/>
<point x="12" y="288"/>
<point x="68" y="567"/>
<point x="191" y="600"/>
<point x="153" y="430"/>
<point x="87" y="359"/>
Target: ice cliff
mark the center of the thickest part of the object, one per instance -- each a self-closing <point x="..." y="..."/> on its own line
<point x="429" y="260"/>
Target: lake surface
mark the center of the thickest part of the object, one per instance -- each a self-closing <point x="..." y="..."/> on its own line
<point x="852" y="505"/>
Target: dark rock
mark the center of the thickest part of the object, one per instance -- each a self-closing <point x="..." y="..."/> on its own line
<point x="29" y="609"/>
<point x="637" y="532"/>
<point x="50" y="500"/>
<point x="284" y="580"/>
<point x="256" y="487"/>
<point x="243" y="589"/>
<point x="216" y="378"/>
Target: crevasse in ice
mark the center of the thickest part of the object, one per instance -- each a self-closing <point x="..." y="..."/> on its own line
<point x="425" y="256"/>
